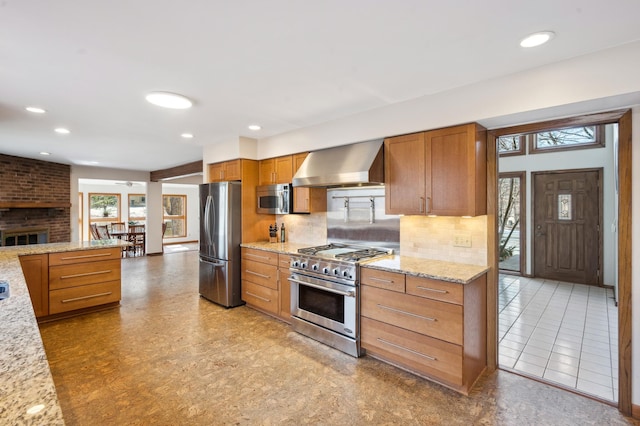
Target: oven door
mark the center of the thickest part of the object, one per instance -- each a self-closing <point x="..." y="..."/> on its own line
<point x="324" y="303"/>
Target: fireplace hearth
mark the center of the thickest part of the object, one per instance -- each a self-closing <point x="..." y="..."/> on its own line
<point x="24" y="236"/>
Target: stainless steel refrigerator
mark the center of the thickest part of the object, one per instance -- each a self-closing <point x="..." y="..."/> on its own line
<point x="220" y="238"/>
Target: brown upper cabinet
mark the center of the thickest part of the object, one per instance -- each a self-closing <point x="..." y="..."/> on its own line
<point x="226" y="170"/>
<point x="439" y="172"/>
<point x="276" y="170"/>
<point x="307" y="200"/>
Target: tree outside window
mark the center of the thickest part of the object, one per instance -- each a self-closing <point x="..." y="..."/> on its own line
<point x="104" y="207"/>
<point x="175" y="215"/>
<point x="137" y="208"/>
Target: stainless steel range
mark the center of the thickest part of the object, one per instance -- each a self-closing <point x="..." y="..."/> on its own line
<point x="325" y="300"/>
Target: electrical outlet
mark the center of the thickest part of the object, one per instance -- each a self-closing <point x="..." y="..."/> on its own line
<point x="462" y="240"/>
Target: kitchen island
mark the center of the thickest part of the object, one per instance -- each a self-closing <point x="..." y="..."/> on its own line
<point x="28" y="394"/>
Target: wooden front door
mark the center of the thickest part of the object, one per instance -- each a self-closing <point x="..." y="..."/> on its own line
<point x="566" y="228"/>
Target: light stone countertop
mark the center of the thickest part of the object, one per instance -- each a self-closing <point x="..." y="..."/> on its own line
<point x="24" y="370"/>
<point x="461" y="273"/>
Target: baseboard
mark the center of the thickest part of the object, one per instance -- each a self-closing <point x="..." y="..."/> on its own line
<point x="155" y="254"/>
<point x="179" y="242"/>
<point x="635" y="411"/>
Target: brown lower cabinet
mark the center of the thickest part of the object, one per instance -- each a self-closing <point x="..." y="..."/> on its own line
<point x="265" y="286"/>
<point x="432" y="328"/>
<point x="72" y="282"/>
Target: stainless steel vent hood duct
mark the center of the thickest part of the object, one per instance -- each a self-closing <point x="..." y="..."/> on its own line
<point x="348" y="165"/>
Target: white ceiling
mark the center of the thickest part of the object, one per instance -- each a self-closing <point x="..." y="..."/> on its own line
<point x="282" y="64"/>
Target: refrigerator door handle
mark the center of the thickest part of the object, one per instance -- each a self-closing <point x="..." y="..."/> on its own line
<point x="207" y="219"/>
<point x="218" y="264"/>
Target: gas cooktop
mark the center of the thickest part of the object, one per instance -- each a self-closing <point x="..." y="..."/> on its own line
<point x="349" y="253"/>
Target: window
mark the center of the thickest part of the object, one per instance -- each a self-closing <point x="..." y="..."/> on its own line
<point x="511" y="145"/>
<point x="104" y="207"/>
<point x="175" y="215"/>
<point x="511" y="218"/>
<point x="137" y="207"/>
<point x="568" y="138"/>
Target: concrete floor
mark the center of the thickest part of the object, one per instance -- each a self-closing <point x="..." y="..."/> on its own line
<point x="168" y="357"/>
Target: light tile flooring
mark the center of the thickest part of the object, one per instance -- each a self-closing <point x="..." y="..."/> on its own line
<point x="560" y="332"/>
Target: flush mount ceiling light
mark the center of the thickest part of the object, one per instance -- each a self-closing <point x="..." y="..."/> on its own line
<point x="44" y="153"/>
<point x="254" y="127"/>
<point x="36" y="110"/>
<point x="536" y="39"/>
<point x="168" y="100"/>
<point x="187" y="135"/>
<point x="62" y="131"/>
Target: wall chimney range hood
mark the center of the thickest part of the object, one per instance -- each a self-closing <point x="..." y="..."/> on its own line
<point x="357" y="164"/>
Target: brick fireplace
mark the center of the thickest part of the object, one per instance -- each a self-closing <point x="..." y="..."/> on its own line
<point x="34" y="201"/>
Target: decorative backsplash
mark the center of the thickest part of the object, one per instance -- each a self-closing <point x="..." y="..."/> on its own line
<point x="433" y="238"/>
<point x="308" y="229"/>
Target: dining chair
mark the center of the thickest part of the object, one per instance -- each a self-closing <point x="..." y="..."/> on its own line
<point x="103" y="232"/>
<point x="95" y="235"/>
<point x="118" y="227"/>
<point x="137" y="237"/>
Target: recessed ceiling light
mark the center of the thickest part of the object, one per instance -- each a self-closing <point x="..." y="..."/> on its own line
<point x="254" y="127"/>
<point x="62" y="131"/>
<point x="187" y="135"/>
<point x="168" y="100"/>
<point x="37" y="110"/>
<point x="537" y="39"/>
<point x="44" y="153"/>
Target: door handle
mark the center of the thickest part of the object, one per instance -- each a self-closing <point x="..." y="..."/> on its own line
<point x="539" y="232"/>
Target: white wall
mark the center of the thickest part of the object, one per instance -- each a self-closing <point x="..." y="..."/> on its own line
<point x="595" y="82"/>
<point x="577" y="159"/>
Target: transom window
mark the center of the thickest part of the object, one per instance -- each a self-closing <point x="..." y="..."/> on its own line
<point x="580" y="137"/>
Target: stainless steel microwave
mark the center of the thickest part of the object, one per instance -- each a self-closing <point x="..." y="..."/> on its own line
<point x="275" y="199"/>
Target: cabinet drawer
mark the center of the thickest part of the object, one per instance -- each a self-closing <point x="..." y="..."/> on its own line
<point x="382" y="279"/>
<point x="70" y="299"/>
<point x="422" y="354"/>
<point x="260" y="273"/>
<point x="81" y="256"/>
<point x="73" y="275"/>
<point x="284" y="260"/>
<point x="262" y="256"/>
<point x="436" y="290"/>
<point x="261" y="297"/>
<point x="436" y="319"/>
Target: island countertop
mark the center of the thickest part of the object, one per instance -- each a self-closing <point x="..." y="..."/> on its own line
<point x="24" y="370"/>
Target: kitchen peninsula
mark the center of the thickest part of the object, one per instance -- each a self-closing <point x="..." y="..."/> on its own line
<point x="28" y="392"/>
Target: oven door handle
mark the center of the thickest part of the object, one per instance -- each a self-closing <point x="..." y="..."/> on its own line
<point x="320" y="287"/>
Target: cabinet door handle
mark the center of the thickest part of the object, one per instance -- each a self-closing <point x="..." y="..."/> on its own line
<point x="85" y="256"/>
<point x="435" y="290"/>
<point x="421" y="204"/>
<point x="258" y="297"/>
<point x="399" y="311"/>
<point x="86" y="274"/>
<point x="382" y="280"/>
<point x="386" y="342"/>
<point x="91" y="296"/>
<point x="428" y="204"/>
<point x="257" y="274"/>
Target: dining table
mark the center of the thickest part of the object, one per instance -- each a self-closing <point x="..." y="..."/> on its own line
<point x="131" y="237"/>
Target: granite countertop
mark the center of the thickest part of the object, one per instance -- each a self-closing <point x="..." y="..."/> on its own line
<point x="24" y="370"/>
<point x="460" y="273"/>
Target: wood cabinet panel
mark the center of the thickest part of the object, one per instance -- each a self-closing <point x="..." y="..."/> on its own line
<point x="276" y="170"/>
<point x="70" y="299"/>
<point x="261" y="297"/>
<point x="382" y="279"/>
<point x="435" y="289"/>
<point x="225" y="171"/>
<point x="65" y="276"/>
<point x="404" y="158"/>
<point x="260" y="273"/>
<point x="417" y="352"/>
<point x="262" y="256"/>
<point x="35" y="269"/>
<point x="81" y="256"/>
<point x="284" y="261"/>
<point x="436" y="319"/>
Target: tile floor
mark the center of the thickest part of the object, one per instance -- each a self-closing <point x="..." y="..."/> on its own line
<point x="561" y="332"/>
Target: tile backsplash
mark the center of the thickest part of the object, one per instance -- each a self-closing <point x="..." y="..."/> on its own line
<point x="305" y="228"/>
<point x="433" y="238"/>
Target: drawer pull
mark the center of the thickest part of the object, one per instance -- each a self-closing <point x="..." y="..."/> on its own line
<point x="257" y="255"/>
<point x="85" y="256"/>
<point x="389" y="308"/>
<point x="432" y="289"/>
<point x="75" y="299"/>
<point x="267" y="277"/>
<point x="381" y="280"/>
<point x="386" y="342"/>
<point x="258" y="297"/>
<point x="86" y="274"/>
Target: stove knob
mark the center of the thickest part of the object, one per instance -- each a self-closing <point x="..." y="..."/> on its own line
<point x="346" y="274"/>
<point x="303" y="265"/>
<point x="315" y="267"/>
<point x="325" y="270"/>
<point x="295" y="263"/>
<point x="336" y="271"/>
